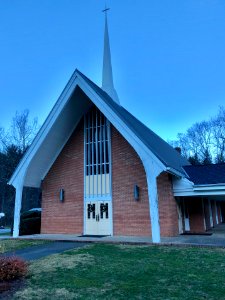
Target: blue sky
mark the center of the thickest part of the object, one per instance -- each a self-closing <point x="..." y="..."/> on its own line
<point x="168" y="56"/>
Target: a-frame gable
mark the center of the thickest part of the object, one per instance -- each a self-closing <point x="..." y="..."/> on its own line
<point x="75" y="99"/>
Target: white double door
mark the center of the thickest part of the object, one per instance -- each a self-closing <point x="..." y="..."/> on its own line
<point x="98" y="216"/>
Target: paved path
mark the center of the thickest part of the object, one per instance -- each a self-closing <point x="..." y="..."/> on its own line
<point x="215" y="240"/>
<point x="36" y="252"/>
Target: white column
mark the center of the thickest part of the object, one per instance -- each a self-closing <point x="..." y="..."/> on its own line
<point x="215" y="207"/>
<point x="153" y="205"/>
<point x="18" y="202"/>
<point x="210" y="213"/>
<point x="203" y="212"/>
<point x="221" y="219"/>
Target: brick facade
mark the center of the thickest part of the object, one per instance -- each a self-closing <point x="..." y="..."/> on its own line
<point x="196" y="214"/>
<point x="67" y="173"/>
<point x="130" y="217"/>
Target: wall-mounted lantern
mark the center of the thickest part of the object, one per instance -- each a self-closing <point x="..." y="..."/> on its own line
<point x="136" y="192"/>
<point x="61" y="195"/>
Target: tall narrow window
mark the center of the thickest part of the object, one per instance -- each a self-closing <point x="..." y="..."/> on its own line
<point x="97" y="155"/>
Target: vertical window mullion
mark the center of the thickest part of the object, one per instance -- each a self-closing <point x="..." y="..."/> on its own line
<point x="89" y="156"/>
<point x="85" y="153"/>
<point x="101" y="150"/>
<point x="96" y="143"/>
<point x="92" y="124"/>
<point x="104" y="153"/>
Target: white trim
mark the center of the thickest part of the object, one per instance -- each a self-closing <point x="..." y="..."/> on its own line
<point x="184" y="187"/>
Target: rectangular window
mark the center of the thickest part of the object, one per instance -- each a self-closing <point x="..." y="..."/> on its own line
<point x="97" y="154"/>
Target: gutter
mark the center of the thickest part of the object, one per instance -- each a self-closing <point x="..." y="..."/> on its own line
<point x="176" y="173"/>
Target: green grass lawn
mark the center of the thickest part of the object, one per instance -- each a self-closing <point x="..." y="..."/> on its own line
<point x="101" y="271"/>
<point x="13" y="244"/>
<point x="5" y="233"/>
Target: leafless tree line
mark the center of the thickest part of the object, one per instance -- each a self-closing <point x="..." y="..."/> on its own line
<point x="14" y="142"/>
<point x="204" y="142"/>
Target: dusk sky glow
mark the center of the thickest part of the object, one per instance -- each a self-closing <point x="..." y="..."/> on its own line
<point x="168" y="56"/>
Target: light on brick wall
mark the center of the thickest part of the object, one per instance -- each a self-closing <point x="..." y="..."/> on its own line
<point x="136" y="192"/>
<point x="61" y="195"/>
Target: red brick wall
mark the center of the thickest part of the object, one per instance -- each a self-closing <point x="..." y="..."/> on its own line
<point x="130" y="217"/>
<point x="196" y="214"/>
<point x="67" y="173"/>
<point x="168" y="214"/>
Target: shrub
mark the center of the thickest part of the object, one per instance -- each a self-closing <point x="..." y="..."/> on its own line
<point x="12" y="268"/>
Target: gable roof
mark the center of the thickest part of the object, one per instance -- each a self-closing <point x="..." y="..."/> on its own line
<point x="161" y="149"/>
<point x="206" y="174"/>
<point x="63" y="119"/>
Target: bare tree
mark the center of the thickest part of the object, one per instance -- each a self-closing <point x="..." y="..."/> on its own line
<point x="197" y="143"/>
<point x="218" y="132"/>
<point x="21" y="132"/>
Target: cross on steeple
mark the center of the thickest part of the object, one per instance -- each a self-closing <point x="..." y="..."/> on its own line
<point x="107" y="75"/>
<point x="105" y="10"/>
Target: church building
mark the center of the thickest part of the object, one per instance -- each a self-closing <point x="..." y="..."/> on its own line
<point x="103" y="172"/>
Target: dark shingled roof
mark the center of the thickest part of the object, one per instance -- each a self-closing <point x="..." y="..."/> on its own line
<point x="162" y="150"/>
<point x="206" y="174"/>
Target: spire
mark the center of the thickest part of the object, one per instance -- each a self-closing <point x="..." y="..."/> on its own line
<point x="107" y="74"/>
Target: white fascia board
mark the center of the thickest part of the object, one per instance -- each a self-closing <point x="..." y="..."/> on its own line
<point x="186" y="193"/>
<point x="41" y="135"/>
<point x="209" y="187"/>
<point x="184" y="187"/>
<point x="144" y="153"/>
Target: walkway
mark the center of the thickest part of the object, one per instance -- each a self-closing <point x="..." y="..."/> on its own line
<point x="36" y="252"/>
<point x="217" y="239"/>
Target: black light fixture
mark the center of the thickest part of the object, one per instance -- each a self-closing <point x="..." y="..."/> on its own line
<point x="61" y="195"/>
<point x="136" y="192"/>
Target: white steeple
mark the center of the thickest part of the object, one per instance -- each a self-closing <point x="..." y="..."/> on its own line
<point x="107" y="75"/>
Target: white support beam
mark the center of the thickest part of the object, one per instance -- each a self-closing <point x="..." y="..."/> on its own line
<point x="216" y="210"/>
<point x="153" y="204"/>
<point x="18" y="202"/>
<point x="210" y="213"/>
